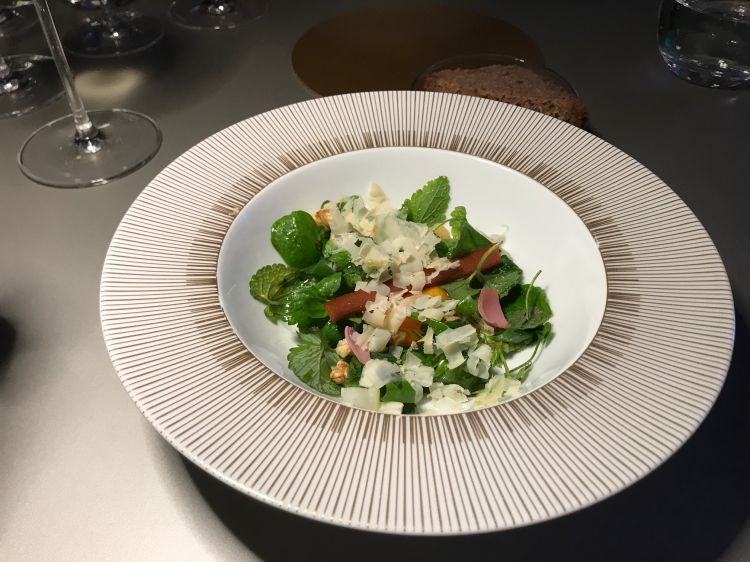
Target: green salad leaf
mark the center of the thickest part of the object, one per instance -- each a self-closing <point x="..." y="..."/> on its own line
<point x="355" y="372"/>
<point x="267" y="285"/>
<point x="298" y="239"/>
<point x="460" y="288"/>
<point x="457" y="376"/>
<point x="526" y="307"/>
<point x="429" y="204"/>
<point x="400" y="391"/>
<point x="503" y="277"/>
<point x="465" y="237"/>
<point x="312" y="361"/>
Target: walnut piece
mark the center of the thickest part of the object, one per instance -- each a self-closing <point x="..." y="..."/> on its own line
<point x="343" y="349"/>
<point x="321" y="217"/>
<point x="442" y="232"/>
<point x="340" y="372"/>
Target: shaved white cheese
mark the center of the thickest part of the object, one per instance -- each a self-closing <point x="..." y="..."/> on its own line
<point x="428" y="341"/>
<point x="376" y="310"/>
<point x="454" y="354"/>
<point x="415" y="372"/>
<point x="372" y="338"/>
<point x="444" y="398"/>
<point x="391" y="407"/>
<point x="497" y="388"/>
<point x="378" y="372"/>
<point x="400" y="309"/>
<point x="478" y="361"/>
<point x="453" y="341"/>
<point x="379" y="340"/>
<point x="372" y="286"/>
<point x="366" y="398"/>
<point x="396" y="351"/>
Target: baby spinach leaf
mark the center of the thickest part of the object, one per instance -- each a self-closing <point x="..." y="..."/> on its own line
<point x="320" y="269"/>
<point x="465" y="237"/>
<point x="429" y="204"/>
<point x="526" y="307"/>
<point x="298" y="239"/>
<point x="331" y="333"/>
<point x="302" y="303"/>
<point x="400" y="391"/>
<point x="312" y="361"/>
<point x="327" y="287"/>
<point x="503" y="277"/>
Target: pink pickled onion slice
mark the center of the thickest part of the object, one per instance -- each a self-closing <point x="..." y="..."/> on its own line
<point x="362" y="354"/>
<point x="490" y="309"/>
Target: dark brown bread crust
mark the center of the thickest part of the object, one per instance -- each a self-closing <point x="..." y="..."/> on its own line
<point x="511" y="84"/>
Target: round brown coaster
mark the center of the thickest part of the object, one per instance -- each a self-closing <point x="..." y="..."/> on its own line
<point x="386" y="48"/>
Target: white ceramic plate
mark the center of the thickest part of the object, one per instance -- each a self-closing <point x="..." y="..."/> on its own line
<point x="634" y="395"/>
<point x="543" y="234"/>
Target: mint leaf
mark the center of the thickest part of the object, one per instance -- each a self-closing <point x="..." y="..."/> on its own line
<point x="267" y="285"/>
<point x="312" y="361"/>
<point x="400" y="391"/>
<point x="465" y="237"/>
<point x="429" y="204"/>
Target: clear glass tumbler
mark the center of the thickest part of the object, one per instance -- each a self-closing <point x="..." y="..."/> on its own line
<point x="707" y="42"/>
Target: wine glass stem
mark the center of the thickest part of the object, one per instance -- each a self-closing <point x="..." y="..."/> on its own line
<point x="4" y="69"/>
<point x="107" y="7"/>
<point x="85" y="129"/>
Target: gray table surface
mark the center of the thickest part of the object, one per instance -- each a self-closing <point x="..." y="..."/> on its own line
<point x="83" y="475"/>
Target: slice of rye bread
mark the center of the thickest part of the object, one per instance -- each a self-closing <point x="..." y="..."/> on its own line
<point x="512" y="84"/>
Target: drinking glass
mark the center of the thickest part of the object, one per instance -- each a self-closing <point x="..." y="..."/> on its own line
<point x="707" y="42"/>
<point x="216" y="14"/>
<point x="113" y="33"/>
<point x="16" y="16"/>
<point x="94" y="4"/>
<point x="85" y="148"/>
<point x="26" y="83"/>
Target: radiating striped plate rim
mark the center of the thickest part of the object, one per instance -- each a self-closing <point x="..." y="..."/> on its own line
<point x="638" y="392"/>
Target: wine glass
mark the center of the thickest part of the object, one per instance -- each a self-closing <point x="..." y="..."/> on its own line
<point x="216" y="14"/>
<point x="94" y="4"/>
<point x="85" y="148"/>
<point x="26" y="83"/>
<point x="113" y="33"/>
<point x="16" y="16"/>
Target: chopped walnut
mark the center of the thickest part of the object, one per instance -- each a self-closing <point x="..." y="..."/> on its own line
<point x="340" y="372"/>
<point x="343" y="349"/>
<point x="442" y="232"/>
<point x="321" y="217"/>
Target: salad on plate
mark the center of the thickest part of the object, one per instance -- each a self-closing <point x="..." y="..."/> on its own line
<point x="402" y="309"/>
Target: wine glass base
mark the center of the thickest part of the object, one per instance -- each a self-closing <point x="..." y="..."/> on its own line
<point x="16" y="20"/>
<point x="51" y="155"/>
<point x="95" y="4"/>
<point x="204" y="14"/>
<point x="128" y="33"/>
<point x="33" y="82"/>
